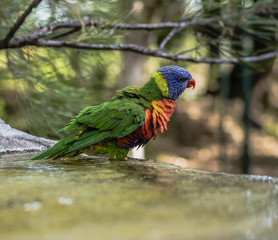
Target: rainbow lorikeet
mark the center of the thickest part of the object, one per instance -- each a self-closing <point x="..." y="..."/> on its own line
<point x="129" y="120"/>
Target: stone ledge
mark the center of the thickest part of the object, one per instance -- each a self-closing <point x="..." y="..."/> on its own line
<point x="14" y="142"/>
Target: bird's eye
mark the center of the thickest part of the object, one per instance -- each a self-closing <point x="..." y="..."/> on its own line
<point x="181" y="79"/>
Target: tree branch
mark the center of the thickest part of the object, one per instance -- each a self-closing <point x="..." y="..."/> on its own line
<point x="149" y="52"/>
<point x="169" y="36"/>
<point x="76" y="25"/>
<point x="19" y="22"/>
<point x="38" y="37"/>
<point x="86" y="21"/>
<point x="64" y="34"/>
<point x="172" y="33"/>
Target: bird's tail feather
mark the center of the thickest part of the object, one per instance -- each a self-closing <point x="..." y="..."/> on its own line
<point x="56" y="149"/>
<point x="84" y="141"/>
<point x="72" y="144"/>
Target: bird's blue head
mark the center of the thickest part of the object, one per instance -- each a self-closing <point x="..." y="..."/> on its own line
<point x="178" y="79"/>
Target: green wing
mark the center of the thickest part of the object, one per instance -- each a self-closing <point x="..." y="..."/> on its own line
<point x="114" y="119"/>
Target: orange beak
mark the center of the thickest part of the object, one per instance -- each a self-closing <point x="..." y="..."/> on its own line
<point x="191" y="83"/>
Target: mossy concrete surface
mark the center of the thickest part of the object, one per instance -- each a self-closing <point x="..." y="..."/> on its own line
<point x="96" y="198"/>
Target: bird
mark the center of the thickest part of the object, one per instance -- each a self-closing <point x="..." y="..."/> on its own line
<point x="130" y="119"/>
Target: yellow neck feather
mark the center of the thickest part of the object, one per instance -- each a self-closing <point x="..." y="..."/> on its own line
<point x="161" y="83"/>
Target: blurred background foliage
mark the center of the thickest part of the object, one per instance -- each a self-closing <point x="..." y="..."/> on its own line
<point x="42" y="88"/>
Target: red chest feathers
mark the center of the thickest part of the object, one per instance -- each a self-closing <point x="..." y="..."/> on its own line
<point x="157" y="118"/>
